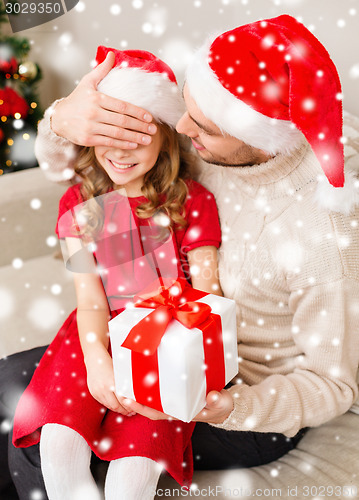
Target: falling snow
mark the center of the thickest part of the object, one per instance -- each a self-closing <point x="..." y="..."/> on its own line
<point x="56" y="289"/>
<point x="65" y="40"/>
<point x="137" y="4"/>
<point x="7" y="301"/>
<point x="17" y="263"/>
<point x="104" y="445"/>
<point x="43" y="312"/>
<point x="37" y="495"/>
<point x="51" y="241"/>
<point x="354" y="71"/>
<point x="115" y="9"/>
<point x="35" y="204"/>
<point x="80" y="6"/>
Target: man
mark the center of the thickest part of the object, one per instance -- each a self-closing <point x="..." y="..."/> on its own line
<point x="264" y="113"/>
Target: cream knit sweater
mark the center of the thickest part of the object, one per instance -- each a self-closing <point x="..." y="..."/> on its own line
<point x="293" y="270"/>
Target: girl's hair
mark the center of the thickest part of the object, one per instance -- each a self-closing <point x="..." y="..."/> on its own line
<point x="164" y="185"/>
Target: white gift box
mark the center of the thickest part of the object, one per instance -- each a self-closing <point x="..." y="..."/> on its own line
<point x="181" y="374"/>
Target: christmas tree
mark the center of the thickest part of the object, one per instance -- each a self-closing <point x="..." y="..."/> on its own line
<point x="19" y="105"/>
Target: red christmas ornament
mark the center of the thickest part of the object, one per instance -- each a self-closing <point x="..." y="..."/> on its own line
<point x="8" y="66"/>
<point x="11" y="103"/>
<point x="2" y="135"/>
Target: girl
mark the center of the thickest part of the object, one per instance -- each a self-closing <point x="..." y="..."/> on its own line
<point x="70" y="405"/>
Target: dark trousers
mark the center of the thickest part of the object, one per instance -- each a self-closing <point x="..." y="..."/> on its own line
<point x="213" y="448"/>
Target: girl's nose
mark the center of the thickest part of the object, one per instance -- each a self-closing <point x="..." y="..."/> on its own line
<point x="121" y="155"/>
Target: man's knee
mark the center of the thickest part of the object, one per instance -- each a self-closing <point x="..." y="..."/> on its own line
<point x="25" y="468"/>
<point x="19" y="456"/>
<point x="15" y="375"/>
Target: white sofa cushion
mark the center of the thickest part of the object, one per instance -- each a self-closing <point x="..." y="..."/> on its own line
<point x="28" y="212"/>
<point x="326" y="460"/>
<point x="35" y="300"/>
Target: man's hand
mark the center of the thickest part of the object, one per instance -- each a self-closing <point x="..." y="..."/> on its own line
<point x="218" y="408"/>
<point x="89" y="118"/>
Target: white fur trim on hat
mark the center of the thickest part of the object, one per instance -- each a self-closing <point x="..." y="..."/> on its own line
<point x="153" y="92"/>
<point x="344" y="199"/>
<point x="232" y="115"/>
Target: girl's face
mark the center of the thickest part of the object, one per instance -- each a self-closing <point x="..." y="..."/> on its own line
<point x="127" y="168"/>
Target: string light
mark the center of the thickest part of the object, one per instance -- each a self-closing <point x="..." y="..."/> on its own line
<point x="19" y="76"/>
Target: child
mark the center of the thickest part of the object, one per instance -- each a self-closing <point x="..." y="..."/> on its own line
<point x="70" y="405"/>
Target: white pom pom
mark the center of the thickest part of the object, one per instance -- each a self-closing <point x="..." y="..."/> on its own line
<point x="342" y="200"/>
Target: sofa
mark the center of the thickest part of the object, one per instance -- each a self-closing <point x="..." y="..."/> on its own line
<point x="37" y="293"/>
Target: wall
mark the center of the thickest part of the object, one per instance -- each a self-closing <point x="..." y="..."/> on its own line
<point x="172" y="29"/>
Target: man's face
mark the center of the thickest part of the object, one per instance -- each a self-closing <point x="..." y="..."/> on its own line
<point x="211" y="144"/>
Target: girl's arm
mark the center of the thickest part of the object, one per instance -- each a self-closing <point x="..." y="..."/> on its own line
<point x="92" y="321"/>
<point x="204" y="269"/>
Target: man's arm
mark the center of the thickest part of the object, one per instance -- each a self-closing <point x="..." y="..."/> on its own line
<point x="88" y="118"/>
<point x="323" y="383"/>
<point x="56" y="155"/>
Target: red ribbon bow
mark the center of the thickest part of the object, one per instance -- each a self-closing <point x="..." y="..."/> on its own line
<point x="172" y="301"/>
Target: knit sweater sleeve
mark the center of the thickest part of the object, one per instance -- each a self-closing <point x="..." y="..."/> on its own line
<point x="323" y="384"/>
<point x="56" y="155"/>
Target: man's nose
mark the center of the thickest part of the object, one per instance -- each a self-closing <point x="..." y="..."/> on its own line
<point x="186" y="126"/>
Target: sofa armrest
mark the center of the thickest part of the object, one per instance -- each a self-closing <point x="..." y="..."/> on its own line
<point x="25" y="224"/>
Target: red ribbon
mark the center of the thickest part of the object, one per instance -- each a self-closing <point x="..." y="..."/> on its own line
<point x="172" y="302"/>
<point x="147" y="334"/>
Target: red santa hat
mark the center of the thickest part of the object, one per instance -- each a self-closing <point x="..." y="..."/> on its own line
<point x="140" y="78"/>
<point x="269" y="82"/>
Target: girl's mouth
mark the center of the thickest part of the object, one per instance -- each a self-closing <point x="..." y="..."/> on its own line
<point x="121" y="166"/>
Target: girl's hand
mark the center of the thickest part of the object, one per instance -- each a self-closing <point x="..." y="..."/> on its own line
<point x="101" y="383"/>
<point x="219" y="405"/>
<point x="204" y="269"/>
<point x="89" y="118"/>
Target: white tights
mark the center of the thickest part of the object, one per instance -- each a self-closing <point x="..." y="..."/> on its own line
<point x="65" y="464"/>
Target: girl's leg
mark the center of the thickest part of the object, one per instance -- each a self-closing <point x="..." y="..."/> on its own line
<point x="132" y="478"/>
<point x="65" y="464"/>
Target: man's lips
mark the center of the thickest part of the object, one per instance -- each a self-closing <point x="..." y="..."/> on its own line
<point x="197" y="146"/>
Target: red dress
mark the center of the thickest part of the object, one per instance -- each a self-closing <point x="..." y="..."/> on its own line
<point x="58" y="391"/>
